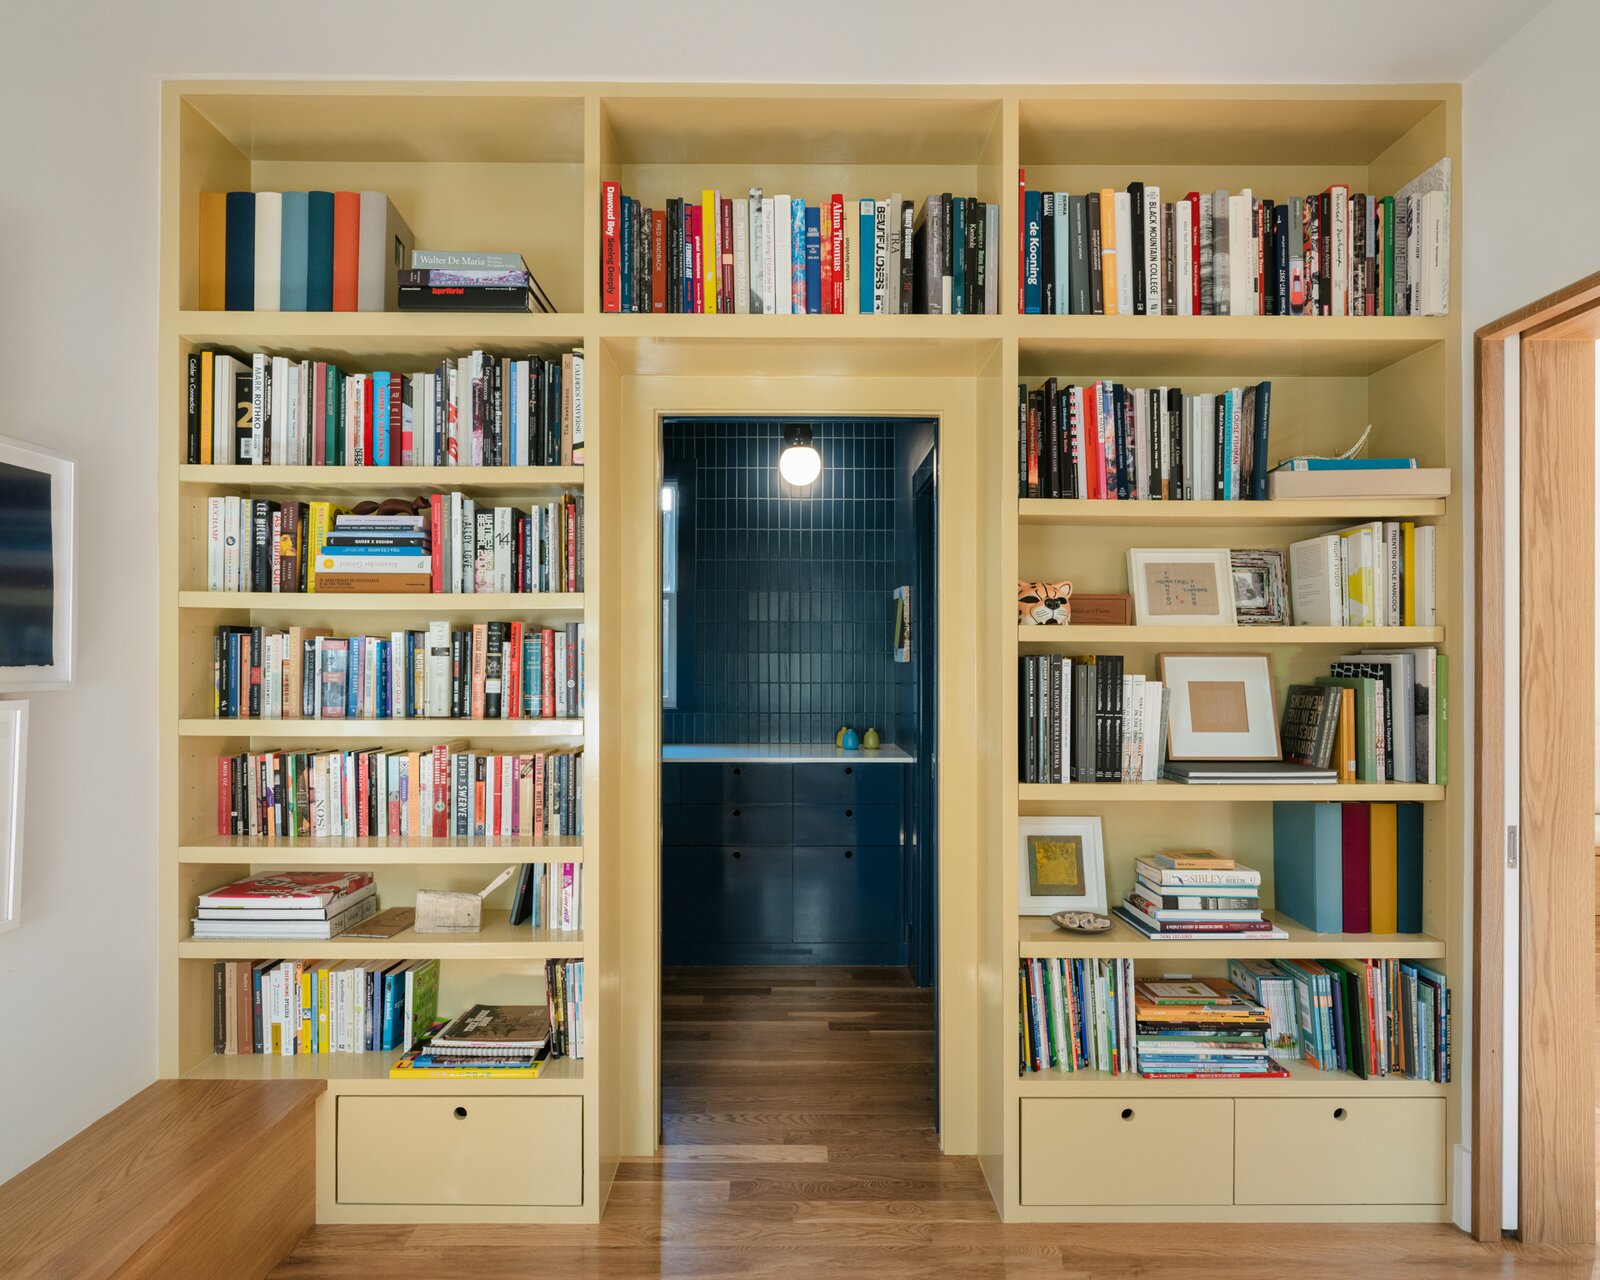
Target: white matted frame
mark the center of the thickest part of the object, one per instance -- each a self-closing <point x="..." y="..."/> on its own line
<point x="23" y="467"/>
<point x="13" y="774"/>
<point x="1181" y="586"/>
<point x="1222" y="707"/>
<point x="1084" y="844"/>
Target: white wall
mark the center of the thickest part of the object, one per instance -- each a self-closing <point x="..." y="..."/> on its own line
<point x="78" y="151"/>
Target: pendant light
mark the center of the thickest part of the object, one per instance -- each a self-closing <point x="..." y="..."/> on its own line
<point x="799" y="463"/>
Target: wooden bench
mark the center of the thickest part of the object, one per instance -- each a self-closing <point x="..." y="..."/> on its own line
<point x="190" y="1178"/>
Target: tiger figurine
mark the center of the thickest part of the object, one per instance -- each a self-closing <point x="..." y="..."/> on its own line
<point x="1044" y="604"/>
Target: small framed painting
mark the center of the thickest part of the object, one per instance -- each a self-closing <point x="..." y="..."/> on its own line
<point x="1181" y="586"/>
<point x="1222" y="707"/>
<point x="13" y="761"/>
<point x="1260" y="588"/>
<point x="37" y="517"/>
<point x="1061" y="866"/>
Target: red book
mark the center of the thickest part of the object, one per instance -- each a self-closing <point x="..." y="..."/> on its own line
<point x="1274" y="1072"/>
<point x="400" y="451"/>
<point x="1357" y="867"/>
<point x="697" y="265"/>
<point x="511" y="700"/>
<point x="1192" y="204"/>
<point x="363" y="794"/>
<point x="725" y="263"/>
<point x="346" y="248"/>
<point x="836" y="251"/>
<point x="570" y="509"/>
<point x="547" y="677"/>
<point x="658" y="260"/>
<point x="610" y="246"/>
<point x="441" y="792"/>
<point x="1096" y="469"/>
<point x="366" y="420"/>
<point x="225" y="796"/>
<point x="319" y="414"/>
<point x="436" y="538"/>
<point x="825" y="292"/>
<point x="310" y="890"/>
<point x="1022" y="238"/>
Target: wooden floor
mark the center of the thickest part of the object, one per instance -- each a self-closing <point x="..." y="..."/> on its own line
<point x="799" y="1142"/>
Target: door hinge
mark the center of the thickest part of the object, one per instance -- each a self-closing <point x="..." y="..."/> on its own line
<point x="1511" y="848"/>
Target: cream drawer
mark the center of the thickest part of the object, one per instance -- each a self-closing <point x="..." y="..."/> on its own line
<point x="1340" y="1150"/>
<point x="460" y="1150"/>
<point x="1078" y="1151"/>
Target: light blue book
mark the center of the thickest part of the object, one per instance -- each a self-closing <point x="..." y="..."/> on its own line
<point x="294" y="263"/>
<point x="380" y="419"/>
<point x="1308" y="863"/>
<point x="864" y="252"/>
<point x="1063" y="262"/>
<point x="1347" y="464"/>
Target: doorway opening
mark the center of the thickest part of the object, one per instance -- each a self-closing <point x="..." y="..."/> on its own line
<point x="799" y="819"/>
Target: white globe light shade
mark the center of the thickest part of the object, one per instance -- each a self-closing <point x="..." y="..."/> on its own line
<point x="800" y="464"/>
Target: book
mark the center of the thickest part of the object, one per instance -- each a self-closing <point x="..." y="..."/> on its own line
<point x="494" y="1030"/>
<point x="1191" y="860"/>
<point x="1224" y="772"/>
<point x="315" y="891"/>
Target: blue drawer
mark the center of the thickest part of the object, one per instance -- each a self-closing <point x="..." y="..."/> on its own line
<point x="846" y="824"/>
<point x="848" y="783"/>
<point x="847" y="893"/>
<point x="726" y="824"/>
<point x="714" y="894"/>
<point x="733" y="783"/>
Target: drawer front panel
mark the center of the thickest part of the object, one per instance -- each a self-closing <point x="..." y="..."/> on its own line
<point x="1127" y="1151"/>
<point x="734" y="783"/>
<point x="726" y="824"/>
<point x="847" y="824"/>
<point x="737" y="893"/>
<point x="460" y="1150"/>
<point x="848" y="783"/>
<point x="1340" y="1150"/>
<point x="846" y="893"/>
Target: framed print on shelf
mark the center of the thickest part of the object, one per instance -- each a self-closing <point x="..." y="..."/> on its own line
<point x="38" y="513"/>
<point x="1222" y="707"/>
<point x="1181" y="586"/>
<point x="1260" y="587"/>
<point x="13" y="761"/>
<point x="1061" y="866"/>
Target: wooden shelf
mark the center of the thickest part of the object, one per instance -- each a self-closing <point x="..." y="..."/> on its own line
<point x="418" y="729"/>
<point x="377" y="851"/>
<point x="1295" y="511"/>
<point x="1069" y="793"/>
<point x="558" y="1075"/>
<point x="300" y="603"/>
<point x="1247" y="637"/>
<point x="360" y="340"/>
<point x="382" y="479"/>
<point x="497" y="940"/>
<point x="1036" y="936"/>
<point x="1304" y="1081"/>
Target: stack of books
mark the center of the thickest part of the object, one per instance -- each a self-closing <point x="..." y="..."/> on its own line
<point x="1074" y="1016"/>
<point x="288" y="904"/>
<point x="467" y="281"/>
<point x="292" y="1007"/>
<point x="487" y="1042"/>
<point x="1334" y="252"/>
<point x="1195" y="894"/>
<point x="373" y="553"/>
<point x="565" y="1003"/>
<point x="1202" y="1029"/>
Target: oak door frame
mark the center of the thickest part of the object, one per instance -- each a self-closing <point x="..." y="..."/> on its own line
<point x="1556" y="1175"/>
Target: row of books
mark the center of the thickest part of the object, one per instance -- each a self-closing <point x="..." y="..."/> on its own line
<point x="293" y="1007"/>
<point x="1378" y="716"/>
<point x="1334" y="252"/>
<point x="440" y="792"/>
<point x="290" y="904"/>
<point x="442" y="543"/>
<point x="300" y="250"/>
<point x="1086" y="720"/>
<point x="488" y="671"/>
<point x="779" y="255"/>
<point x="470" y="282"/>
<point x="1110" y="440"/>
<point x="1195" y="893"/>
<point x="549" y="895"/>
<point x="1348" y="867"/>
<point x="487" y="1042"/>
<point x="1382" y="573"/>
<point x="480" y="410"/>
<point x="1373" y="1018"/>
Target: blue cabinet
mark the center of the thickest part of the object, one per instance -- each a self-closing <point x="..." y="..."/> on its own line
<point x="774" y="864"/>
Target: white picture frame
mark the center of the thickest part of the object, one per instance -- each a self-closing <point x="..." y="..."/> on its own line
<point x="25" y="469"/>
<point x="13" y="777"/>
<point x="1038" y="889"/>
<point x="1181" y="586"/>
<point x="1222" y="707"/>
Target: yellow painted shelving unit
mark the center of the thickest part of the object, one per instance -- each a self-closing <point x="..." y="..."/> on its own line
<point x="519" y="166"/>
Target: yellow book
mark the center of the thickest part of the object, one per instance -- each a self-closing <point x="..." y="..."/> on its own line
<point x="322" y="1008"/>
<point x="319" y="519"/>
<point x="213" y="250"/>
<point x="1108" y="249"/>
<point x="1385" y="869"/>
<point x="208" y="361"/>
<point x="708" y="248"/>
<point x="404" y="1070"/>
<point x="304" y="972"/>
<point x="1408" y="558"/>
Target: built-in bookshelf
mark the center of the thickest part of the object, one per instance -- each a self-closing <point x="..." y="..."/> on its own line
<point x="520" y="167"/>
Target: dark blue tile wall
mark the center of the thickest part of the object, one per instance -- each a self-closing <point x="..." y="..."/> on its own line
<point x="785" y="595"/>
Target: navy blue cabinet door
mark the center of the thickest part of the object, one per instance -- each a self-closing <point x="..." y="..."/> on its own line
<point x="726" y="824"/>
<point x="735" y="894"/>
<point x="846" y="893"/>
<point x="846" y="823"/>
<point x="735" y="783"/>
<point x="848" y="783"/>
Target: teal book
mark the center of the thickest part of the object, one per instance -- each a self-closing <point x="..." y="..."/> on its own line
<point x="1308" y="863"/>
<point x="319" y="251"/>
<point x="1408" y="862"/>
<point x="296" y="227"/>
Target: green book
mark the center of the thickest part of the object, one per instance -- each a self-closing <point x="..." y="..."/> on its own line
<point x="1388" y="255"/>
<point x="422" y="999"/>
<point x="1366" y="689"/>
<point x="1441" y="718"/>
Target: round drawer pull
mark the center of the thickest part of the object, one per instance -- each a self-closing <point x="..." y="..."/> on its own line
<point x="1339" y="1113"/>
<point x="849" y="813"/>
<point x="737" y="771"/>
<point x="736" y="813"/>
<point x="737" y="854"/>
<point x="849" y="853"/>
<point x="849" y="769"/>
<point x="461" y="1113"/>
<point x="1127" y="1113"/>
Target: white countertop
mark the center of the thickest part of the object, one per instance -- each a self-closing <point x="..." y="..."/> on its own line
<point x="779" y="753"/>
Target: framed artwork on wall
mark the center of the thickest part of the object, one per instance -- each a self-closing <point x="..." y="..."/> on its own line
<point x="38" y="514"/>
<point x="1061" y="866"/>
